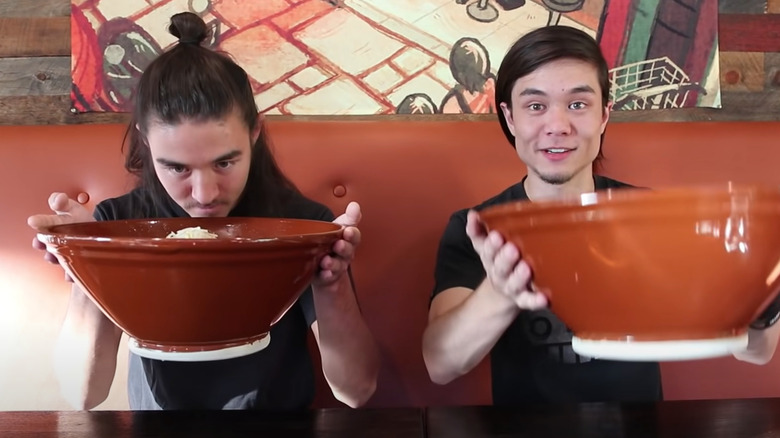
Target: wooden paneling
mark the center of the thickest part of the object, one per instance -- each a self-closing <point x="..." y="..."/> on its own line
<point x="742" y="71"/>
<point x="35" y="36"/>
<point x="749" y="33"/>
<point x="34" y="8"/>
<point x="741" y="6"/>
<point x="49" y="110"/>
<point x="772" y="71"/>
<point x="35" y="83"/>
<point x="737" y="105"/>
<point x="47" y="76"/>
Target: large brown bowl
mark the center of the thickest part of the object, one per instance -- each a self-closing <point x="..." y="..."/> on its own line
<point x="689" y="263"/>
<point x="193" y="294"/>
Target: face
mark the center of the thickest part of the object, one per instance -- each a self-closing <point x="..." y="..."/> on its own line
<point x="557" y="118"/>
<point x="203" y="165"/>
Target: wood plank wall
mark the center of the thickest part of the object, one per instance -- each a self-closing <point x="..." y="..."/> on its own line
<point x="35" y="67"/>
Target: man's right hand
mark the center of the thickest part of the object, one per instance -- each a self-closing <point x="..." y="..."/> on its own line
<point x="505" y="269"/>
<point x="67" y="211"/>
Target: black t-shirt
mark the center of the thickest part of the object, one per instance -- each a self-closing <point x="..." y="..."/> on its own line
<point x="280" y="377"/>
<point x="533" y="360"/>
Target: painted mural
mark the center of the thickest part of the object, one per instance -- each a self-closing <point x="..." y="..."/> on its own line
<point x="366" y="57"/>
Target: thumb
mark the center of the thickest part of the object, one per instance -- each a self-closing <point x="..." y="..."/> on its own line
<point x="351" y="216"/>
<point x="474" y="226"/>
<point x="354" y="213"/>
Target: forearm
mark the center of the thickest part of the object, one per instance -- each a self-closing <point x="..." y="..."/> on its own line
<point x="350" y="359"/>
<point x="85" y="354"/>
<point x="456" y="341"/>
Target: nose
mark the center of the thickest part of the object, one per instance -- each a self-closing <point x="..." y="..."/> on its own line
<point x="557" y="121"/>
<point x="205" y="189"/>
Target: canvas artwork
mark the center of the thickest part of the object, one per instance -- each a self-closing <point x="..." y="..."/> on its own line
<point x="374" y="57"/>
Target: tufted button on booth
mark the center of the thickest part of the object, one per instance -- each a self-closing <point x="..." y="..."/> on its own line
<point x="339" y="191"/>
<point x="82" y="198"/>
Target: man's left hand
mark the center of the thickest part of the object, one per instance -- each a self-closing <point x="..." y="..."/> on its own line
<point x="334" y="265"/>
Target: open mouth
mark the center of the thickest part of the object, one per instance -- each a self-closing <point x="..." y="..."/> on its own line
<point x="556" y="150"/>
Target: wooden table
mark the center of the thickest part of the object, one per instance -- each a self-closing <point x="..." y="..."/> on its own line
<point x="754" y="418"/>
<point x="330" y="423"/>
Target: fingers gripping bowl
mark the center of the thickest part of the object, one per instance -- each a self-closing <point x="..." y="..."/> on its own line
<point x="193" y="296"/>
<point x="638" y="274"/>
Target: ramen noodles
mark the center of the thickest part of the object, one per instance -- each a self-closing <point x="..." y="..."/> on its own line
<point x="192" y="233"/>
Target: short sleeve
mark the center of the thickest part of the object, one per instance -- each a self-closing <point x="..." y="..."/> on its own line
<point x="136" y="204"/>
<point x="104" y="212"/>
<point x="457" y="263"/>
<point x="306" y="301"/>
<point x="326" y="215"/>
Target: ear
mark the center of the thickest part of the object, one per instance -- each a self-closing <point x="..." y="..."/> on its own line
<point x="258" y="129"/>
<point x="605" y="116"/>
<point x="510" y="121"/>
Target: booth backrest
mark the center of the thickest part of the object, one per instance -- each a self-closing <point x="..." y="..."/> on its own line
<point x="408" y="178"/>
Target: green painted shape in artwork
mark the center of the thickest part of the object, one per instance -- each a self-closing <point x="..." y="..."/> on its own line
<point x="641" y="27"/>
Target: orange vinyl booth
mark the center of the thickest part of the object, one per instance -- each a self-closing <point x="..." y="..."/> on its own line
<point x="408" y="177"/>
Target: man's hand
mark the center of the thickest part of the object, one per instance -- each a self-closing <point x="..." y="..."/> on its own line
<point x="505" y="269"/>
<point x="66" y="211"/>
<point x="334" y="265"/>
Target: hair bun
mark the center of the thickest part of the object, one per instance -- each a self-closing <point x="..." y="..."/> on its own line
<point x="189" y="28"/>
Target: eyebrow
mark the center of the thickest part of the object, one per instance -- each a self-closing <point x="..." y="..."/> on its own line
<point x="228" y="156"/>
<point x="575" y="90"/>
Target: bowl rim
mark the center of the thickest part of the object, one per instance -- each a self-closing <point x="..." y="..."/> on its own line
<point x="612" y="197"/>
<point x="51" y="233"/>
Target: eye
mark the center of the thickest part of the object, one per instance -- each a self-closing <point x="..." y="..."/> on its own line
<point x="178" y="170"/>
<point x="224" y="164"/>
<point x="536" y="107"/>
<point x="578" y="105"/>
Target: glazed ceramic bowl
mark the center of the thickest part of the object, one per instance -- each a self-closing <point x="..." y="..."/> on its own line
<point x="641" y="274"/>
<point x="193" y="295"/>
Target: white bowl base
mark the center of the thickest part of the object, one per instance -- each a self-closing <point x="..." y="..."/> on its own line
<point x="201" y="356"/>
<point x="659" y="351"/>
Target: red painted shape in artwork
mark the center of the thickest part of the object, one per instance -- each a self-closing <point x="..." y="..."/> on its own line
<point x="614" y="30"/>
<point x="86" y="63"/>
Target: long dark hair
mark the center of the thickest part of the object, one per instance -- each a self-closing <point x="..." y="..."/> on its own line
<point x="542" y="46"/>
<point x="192" y="82"/>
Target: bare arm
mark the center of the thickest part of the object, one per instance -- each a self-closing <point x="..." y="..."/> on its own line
<point x="350" y="361"/>
<point x="85" y="353"/>
<point x="86" y="348"/>
<point x="464" y="325"/>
